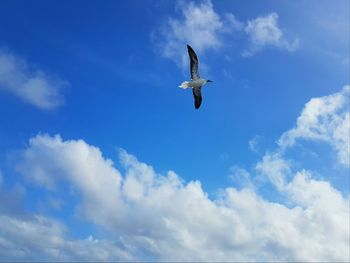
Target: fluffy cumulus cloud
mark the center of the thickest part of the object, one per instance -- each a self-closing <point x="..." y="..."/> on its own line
<point x="152" y="216"/>
<point x="324" y="119"/>
<point x="264" y="31"/>
<point x="161" y="217"/>
<point x="32" y="85"/>
<point x="200" y="26"/>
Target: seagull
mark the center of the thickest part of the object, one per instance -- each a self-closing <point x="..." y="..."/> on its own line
<point x="196" y="82"/>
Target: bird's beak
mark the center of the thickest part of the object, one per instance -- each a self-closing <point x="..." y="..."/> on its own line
<point x="209" y="80"/>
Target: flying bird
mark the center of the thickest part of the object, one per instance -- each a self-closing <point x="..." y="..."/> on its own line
<point x="196" y="82"/>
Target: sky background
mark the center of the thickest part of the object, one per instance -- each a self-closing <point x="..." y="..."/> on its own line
<point x="103" y="157"/>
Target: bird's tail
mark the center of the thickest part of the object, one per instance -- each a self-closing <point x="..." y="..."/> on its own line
<point x="185" y="85"/>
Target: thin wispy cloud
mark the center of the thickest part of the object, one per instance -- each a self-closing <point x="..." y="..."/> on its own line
<point x="274" y="167"/>
<point x="29" y="83"/>
<point x="241" y="177"/>
<point x="254" y="143"/>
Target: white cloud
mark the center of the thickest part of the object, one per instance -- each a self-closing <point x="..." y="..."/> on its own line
<point x="163" y="218"/>
<point x="97" y="179"/>
<point x="254" y="143"/>
<point x="30" y="84"/>
<point x="203" y="28"/>
<point x="233" y="24"/>
<point x="199" y="26"/>
<point x="274" y="167"/>
<point x="38" y="238"/>
<point x="34" y="237"/>
<point x="241" y="176"/>
<point x="264" y="31"/>
<point x="324" y="119"/>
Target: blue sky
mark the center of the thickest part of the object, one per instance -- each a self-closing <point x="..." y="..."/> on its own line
<point x="96" y="135"/>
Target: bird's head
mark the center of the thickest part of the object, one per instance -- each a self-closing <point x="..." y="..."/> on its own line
<point x="208" y="80"/>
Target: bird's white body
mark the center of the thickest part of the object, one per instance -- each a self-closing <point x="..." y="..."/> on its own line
<point x="193" y="84"/>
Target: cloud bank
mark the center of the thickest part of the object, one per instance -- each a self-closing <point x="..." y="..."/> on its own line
<point x="36" y="237"/>
<point x="160" y="217"/>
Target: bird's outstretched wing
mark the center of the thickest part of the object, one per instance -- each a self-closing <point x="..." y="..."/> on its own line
<point x="197" y="94"/>
<point x="194" y="63"/>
